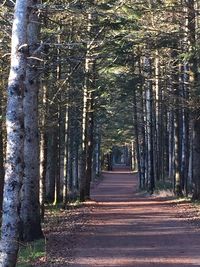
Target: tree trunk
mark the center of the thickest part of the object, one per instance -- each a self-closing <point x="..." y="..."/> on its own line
<point x="171" y="138"/>
<point x="30" y="207"/>
<point x="43" y="152"/>
<point x="87" y="119"/>
<point x="159" y="155"/>
<point x="15" y="138"/>
<point x="186" y="133"/>
<point x="196" y="159"/>
<point x="70" y="155"/>
<point x="51" y="164"/>
<point x="177" y="127"/>
<point x="193" y="78"/>
<point x="149" y="110"/>
<point x="66" y="141"/>
<point x="136" y="134"/>
<point x="84" y="143"/>
<point x="1" y="153"/>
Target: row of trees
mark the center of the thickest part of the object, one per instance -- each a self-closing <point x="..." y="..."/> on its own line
<point x="85" y="76"/>
<point x="166" y="102"/>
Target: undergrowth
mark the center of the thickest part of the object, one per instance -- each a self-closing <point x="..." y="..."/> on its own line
<point x="30" y="252"/>
<point x="163" y="185"/>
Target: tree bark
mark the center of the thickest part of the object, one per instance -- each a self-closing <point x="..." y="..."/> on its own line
<point x="136" y="134"/>
<point x="149" y="110"/>
<point x="43" y="152"/>
<point x="193" y="78"/>
<point x="87" y="120"/>
<point x="30" y="207"/>
<point x="1" y="152"/>
<point x="177" y="127"/>
<point x="66" y="142"/>
<point x="15" y="137"/>
<point x="51" y="164"/>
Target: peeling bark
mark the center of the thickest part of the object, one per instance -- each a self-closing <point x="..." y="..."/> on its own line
<point x="15" y="137"/>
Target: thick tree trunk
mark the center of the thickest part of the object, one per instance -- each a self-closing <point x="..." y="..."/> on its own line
<point x="15" y="138"/>
<point x="87" y="119"/>
<point x="177" y="125"/>
<point x="30" y="207"/>
<point x="194" y="87"/>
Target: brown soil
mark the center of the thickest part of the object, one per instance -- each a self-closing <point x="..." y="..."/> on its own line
<point x="126" y="228"/>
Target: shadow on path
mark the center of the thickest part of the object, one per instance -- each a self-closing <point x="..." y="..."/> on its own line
<point x="130" y="230"/>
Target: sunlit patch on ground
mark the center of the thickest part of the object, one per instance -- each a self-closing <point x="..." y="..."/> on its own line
<point x="122" y="227"/>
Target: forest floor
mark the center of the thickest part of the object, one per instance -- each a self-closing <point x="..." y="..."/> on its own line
<point x="124" y="227"/>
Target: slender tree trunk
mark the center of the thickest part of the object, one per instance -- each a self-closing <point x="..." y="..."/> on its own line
<point x="98" y="152"/>
<point x="57" y="190"/>
<point x="133" y="162"/>
<point x="171" y="137"/>
<point x="66" y="141"/>
<point x="43" y="163"/>
<point x="196" y="161"/>
<point x="57" y="195"/>
<point x="90" y="144"/>
<point x="149" y="109"/>
<point x="177" y="127"/>
<point x="136" y="134"/>
<point x="15" y="138"/>
<point x="143" y="146"/>
<point x="159" y="155"/>
<point x="178" y="180"/>
<point x="1" y="153"/>
<point x="186" y="135"/>
<point x="51" y="164"/>
<point x="43" y="152"/>
<point x="190" y="167"/>
<point x="76" y="170"/>
<point x="84" y="149"/>
<point x="70" y="155"/>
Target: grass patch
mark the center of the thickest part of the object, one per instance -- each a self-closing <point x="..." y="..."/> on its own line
<point x="183" y="199"/>
<point x="54" y="208"/>
<point x="164" y="189"/>
<point x="30" y="252"/>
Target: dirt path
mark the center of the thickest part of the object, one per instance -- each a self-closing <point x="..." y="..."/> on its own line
<point x="130" y="230"/>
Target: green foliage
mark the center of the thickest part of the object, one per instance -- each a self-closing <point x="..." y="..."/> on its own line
<point x="163" y="185"/>
<point x="30" y="252"/>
